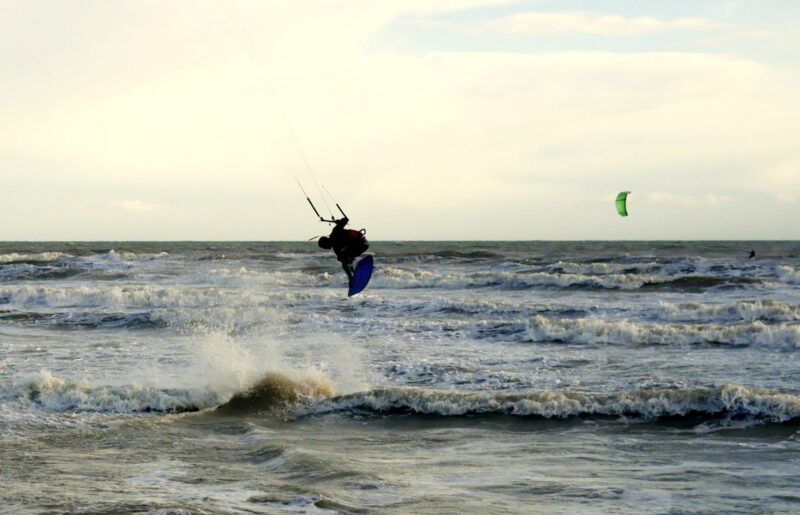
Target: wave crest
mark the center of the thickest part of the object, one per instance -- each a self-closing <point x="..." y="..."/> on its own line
<point x="623" y="332"/>
<point x="392" y="277"/>
<point x="35" y="258"/>
<point x="764" y="310"/>
<point x="274" y="391"/>
<point x="728" y="400"/>
<point x="278" y="390"/>
<point x="59" y="395"/>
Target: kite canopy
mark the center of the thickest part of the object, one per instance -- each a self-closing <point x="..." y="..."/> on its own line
<point x="621" y="200"/>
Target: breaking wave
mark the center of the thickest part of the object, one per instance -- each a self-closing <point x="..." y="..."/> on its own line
<point x="594" y="331"/>
<point x="625" y="279"/>
<point x="393" y="277"/>
<point x="274" y="391"/>
<point x="763" y="310"/>
<point x="277" y="390"/>
<point x="312" y="395"/>
<point x="33" y="259"/>
<point x="54" y="394"/>
<point x="141" y="296"/>
<point x="789" y="274"/>
<point x="729" y="400"/>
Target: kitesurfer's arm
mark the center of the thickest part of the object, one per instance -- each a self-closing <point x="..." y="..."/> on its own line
<point x="341" y="222"/>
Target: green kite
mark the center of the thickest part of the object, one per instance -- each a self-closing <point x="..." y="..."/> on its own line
<point x="621" y="201"/>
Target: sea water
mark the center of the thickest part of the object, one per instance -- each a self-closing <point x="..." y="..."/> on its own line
<point x="469" y="377"/>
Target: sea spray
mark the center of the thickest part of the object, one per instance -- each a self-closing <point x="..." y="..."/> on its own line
<point x="230" y="366"/>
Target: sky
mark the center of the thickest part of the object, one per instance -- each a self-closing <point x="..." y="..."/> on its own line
<point x="424" y="119"/>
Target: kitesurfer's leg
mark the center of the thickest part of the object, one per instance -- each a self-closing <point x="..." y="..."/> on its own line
<point x="349" y="269"/>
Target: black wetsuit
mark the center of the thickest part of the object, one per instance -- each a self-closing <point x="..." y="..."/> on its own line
<point x="348" y="245"/>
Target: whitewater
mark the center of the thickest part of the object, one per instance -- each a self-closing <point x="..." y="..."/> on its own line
<point x="478" y="377"/>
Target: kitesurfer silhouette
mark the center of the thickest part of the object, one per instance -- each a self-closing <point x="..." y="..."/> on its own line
<point x="347" y="244"/>
<point x="752" y="254"/>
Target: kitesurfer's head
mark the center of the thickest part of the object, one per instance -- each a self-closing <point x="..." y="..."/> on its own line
<point x="324" y="242"/>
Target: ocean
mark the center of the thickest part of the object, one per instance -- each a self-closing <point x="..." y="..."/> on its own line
<point x="469" y="377"/>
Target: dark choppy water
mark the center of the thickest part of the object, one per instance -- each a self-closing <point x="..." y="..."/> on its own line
<point x="496" y="377"/>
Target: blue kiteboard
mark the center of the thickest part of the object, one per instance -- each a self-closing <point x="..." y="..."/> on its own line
<point x="361" y="276"/>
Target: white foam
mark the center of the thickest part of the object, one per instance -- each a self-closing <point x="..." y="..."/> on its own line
<point x="603" y="268"/>
<point x="393" y="277"/>
<point x="648" y="404"/>
<point x="55" y="394"/>
<point x="765" y="310"/>
<point x="39" y="256"/>
<point x="789" y="274"/>
<point x="624" y="332"/>
<point x="133" y="296"/>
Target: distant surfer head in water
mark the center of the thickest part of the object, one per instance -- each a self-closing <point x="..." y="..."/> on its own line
<point x="347" y="244"/>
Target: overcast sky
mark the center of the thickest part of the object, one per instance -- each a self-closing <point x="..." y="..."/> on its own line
<point x="428" y="119"/>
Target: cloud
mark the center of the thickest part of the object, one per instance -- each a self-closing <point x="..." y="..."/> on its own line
<point x="421" y="143"/>
<point x="786" y="197"/>
<point x="707" y="200"/>
<point x="582" y="22"/>
<point x="431" y="136"/>
<point x="781" y="180"/>
<point x="758" y="35"/>
<point x="138" y="206"/>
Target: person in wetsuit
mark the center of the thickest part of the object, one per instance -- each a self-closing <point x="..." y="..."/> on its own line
<point x="347" y="244"/>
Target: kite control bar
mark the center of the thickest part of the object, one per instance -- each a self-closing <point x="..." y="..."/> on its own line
<point x="332" y="220"/>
